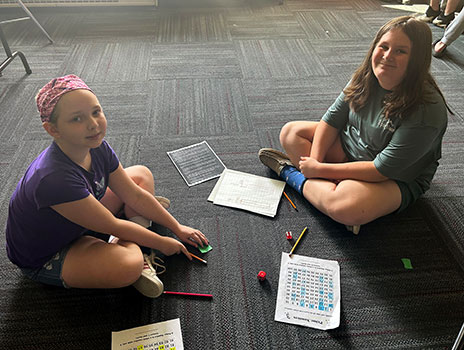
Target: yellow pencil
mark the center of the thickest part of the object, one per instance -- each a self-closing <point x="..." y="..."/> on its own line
<point x="293" y="205"/>
<point x="196" y="257"/>
<point x="296" y="243"/>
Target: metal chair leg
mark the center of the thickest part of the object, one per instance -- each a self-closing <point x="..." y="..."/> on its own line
<point x="9" y="59"/>
<point x="35" y="20"/>
<point x="11" y="55"/>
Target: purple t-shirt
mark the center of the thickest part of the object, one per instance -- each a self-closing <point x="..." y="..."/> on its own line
<point x="34" y="231"/>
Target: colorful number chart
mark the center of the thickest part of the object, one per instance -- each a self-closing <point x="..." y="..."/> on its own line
<point x="309" y="292"/>
<point x="158" y="336"/>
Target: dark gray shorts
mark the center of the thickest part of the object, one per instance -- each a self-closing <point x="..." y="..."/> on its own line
<point x="410" y="192"/>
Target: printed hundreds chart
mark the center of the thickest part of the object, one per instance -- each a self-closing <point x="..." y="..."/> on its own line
<point x="309" y="292"/>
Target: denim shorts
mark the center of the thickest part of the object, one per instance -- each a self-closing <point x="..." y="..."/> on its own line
<point x="50" y="272"/>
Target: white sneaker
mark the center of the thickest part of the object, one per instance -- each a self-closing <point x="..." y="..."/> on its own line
<point x="355" y="228"/>
<point x="166" y="203"/>
<point x="148" y="283"/>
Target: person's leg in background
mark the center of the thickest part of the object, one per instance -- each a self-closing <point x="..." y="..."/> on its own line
<point x="452" y="32"/>
<point x="433" y="11"/>
<point x="447" y="15"/>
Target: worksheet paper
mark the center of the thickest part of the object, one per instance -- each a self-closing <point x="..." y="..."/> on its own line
<point x="165" y="335"/>
<point x="248" y="192"/>
<point x="309" y="292"/>
<point x="197" y="163"/>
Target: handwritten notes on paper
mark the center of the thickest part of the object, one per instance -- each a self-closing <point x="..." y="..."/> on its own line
<point x="248" y="192"/>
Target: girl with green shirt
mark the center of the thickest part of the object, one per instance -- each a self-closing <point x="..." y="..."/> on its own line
<point x="377" y="147"/>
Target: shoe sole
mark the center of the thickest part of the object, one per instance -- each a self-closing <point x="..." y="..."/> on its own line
<point x="149" y="287"/>
<point x="441" y="25"/>
<point x="272" y="151"/>
<point x="274" y="159"/>
<point x="426" y="19"/>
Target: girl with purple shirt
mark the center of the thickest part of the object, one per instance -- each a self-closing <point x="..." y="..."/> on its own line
<point x="77" y="185"/>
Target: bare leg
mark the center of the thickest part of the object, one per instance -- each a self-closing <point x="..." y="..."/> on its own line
<point x="435" y="4"/>
<point x="143" y="177"/>
<point x="349" y="202"/>
<point x="451" y="6"/>
<point x="353" y="202"/>
<point x="297" y="137"/>
<point x="92" y="263"/>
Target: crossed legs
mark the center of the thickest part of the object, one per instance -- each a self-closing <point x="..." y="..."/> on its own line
<point x="350" y="202"/>
<point x="143" y="177"/>
<point x="93" y="263"/>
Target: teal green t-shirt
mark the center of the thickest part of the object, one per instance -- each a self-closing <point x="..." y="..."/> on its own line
<point x="405" y="149"/>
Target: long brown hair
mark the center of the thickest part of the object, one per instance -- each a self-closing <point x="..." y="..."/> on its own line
<point x="418" y="83"/>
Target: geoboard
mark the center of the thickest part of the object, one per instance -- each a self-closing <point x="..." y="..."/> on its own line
<point x="309" y="292"/>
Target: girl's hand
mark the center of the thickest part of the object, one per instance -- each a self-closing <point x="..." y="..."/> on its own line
<point x="172" y="246"/>
<point x="308" y="167"/>
<point x="191" y="236"/>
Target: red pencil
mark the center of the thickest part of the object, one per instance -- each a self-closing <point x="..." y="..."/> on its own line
<point x="189" y="294"/>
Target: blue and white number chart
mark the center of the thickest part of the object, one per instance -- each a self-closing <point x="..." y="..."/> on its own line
<point x="309" y="292"/>
<point x="165" y="335"/>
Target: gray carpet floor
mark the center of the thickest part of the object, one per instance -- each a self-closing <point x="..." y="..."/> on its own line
<point x="233" y="73"/>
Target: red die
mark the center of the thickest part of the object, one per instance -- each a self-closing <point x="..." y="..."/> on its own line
<point x="261" y="275"/>
<point x="288" y="234"/>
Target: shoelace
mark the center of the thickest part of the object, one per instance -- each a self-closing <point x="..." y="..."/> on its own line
<point x="151" y="260"/>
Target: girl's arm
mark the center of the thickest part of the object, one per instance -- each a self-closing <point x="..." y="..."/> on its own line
<point x="314" y="166"/>
<point x="93" y="215"/>
<point x="324" y="137"/>
<point x="361" y="170"/>
<point x="145" y="204"/>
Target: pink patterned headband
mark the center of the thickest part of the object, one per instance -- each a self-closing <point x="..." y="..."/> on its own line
<point x="49" y="95"/>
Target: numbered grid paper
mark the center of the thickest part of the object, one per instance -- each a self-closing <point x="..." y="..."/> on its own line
<point x="165" y="335"/>
<point x="309" y="292"/>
